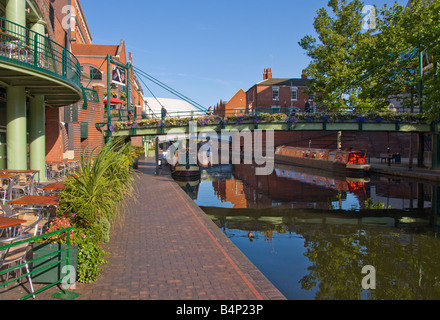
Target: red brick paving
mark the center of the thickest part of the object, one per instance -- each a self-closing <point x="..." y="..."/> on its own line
<point x="166" y="248"/>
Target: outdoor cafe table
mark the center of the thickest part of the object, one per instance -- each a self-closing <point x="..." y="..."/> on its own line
<point x="30" y="173"/>
<point x="40" y="201"/>
<point x="6" y="223"/>
<point x="56" y="186"/>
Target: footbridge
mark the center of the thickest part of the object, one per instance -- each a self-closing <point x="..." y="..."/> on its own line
<point x="241" y="120"/>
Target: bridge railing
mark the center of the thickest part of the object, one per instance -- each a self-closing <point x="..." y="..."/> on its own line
<point x="266" y="114"/>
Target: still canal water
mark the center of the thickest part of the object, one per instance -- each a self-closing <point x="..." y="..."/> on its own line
<point x="311" y="234"/>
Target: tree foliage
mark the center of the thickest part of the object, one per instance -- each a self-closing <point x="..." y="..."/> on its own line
<point x="357" y="68"/>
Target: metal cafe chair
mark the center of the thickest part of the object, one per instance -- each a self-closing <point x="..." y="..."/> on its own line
<point x="3" y="191"/>
<point x="35" y="220"/>
<point x="6" y="186"/>
<point x="16" y="256"/>
<point x="23" y="185"/>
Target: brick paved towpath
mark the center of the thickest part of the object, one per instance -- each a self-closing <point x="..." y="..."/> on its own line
<point x="166" y="248"/>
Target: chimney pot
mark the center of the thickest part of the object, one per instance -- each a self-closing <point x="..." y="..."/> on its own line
<point x="304" y="74"/>
<point x="269" y="73"/>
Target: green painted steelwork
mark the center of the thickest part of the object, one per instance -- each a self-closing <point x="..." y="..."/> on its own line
<point x="127" y="112"/>
<point x="300" y="126"/>
<point x="32" y="60"/>
<point x="67" y="231"/>
<point x="91" y="95"/>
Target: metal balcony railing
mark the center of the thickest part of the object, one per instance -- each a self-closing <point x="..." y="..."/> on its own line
<point x="27" y="48"/>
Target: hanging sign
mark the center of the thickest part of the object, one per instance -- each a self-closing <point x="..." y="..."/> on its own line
<point x="118" y="75"/>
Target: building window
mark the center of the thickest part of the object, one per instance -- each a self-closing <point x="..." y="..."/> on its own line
<point x="52" y="16"/>
<point x="95" y="74"/>
<point x="294" y="95"/>
<point x="84" y="130"/>
<point x="312" y="97"/>
<point x="276" y="93"/>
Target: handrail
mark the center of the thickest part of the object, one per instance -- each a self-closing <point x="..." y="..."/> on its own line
<point x="289" y="115"/>
<point x="29" y="48"/>
<point x="36" y="270"/>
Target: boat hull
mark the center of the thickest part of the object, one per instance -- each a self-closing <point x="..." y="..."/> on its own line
<point x="185" y="171"/>
<point x="358" y="170"/>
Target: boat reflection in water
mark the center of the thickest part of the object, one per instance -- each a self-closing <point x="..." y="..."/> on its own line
<point x="311" y="234"/>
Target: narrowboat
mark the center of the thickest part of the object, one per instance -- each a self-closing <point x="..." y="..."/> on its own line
<point x="189" y="169"/>
<point x="349" y="162"/>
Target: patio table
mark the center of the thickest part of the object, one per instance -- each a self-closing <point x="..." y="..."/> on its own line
<point x="6" y="222"/>
<point x="42" y="201"/>
<point x="54" y="187"/>
<point x="10" y="226"/>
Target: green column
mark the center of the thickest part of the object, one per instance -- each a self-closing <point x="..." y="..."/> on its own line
<point x="37" y="136"/>
<point x="15" y="11"/>
<point x="16" y="130"/>
<point x="37" y="119"/>
<point x="16" y="99"/>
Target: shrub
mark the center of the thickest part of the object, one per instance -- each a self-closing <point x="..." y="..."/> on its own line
<point x="93" y="194"/>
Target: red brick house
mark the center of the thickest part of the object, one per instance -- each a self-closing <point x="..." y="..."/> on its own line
<point x="236" y="105"/>
<point x="278" y="94"/>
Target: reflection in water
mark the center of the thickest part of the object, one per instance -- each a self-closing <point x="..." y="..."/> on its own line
<point x="311" y="234"/>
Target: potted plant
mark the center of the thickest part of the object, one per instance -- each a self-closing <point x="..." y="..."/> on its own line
<point x="49" y="252"/>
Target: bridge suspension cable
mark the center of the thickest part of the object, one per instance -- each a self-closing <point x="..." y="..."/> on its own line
<point x="143" y="74"/>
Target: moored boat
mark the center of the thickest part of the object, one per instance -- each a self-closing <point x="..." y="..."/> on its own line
<point x="188" y="169"/>
<point x="349" y="162"/>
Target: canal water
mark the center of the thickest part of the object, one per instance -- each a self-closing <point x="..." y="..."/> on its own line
<point x="321" y="236"/>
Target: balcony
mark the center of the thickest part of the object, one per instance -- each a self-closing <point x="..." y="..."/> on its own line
<point x="31" y="60"/>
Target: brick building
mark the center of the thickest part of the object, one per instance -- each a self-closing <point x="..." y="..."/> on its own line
<point x="236" y="105"/>
<point x="270" y="95"/>
<point x="72" y="128"/>
<point x="38" y="77"/>
<point x="278" y="94"/>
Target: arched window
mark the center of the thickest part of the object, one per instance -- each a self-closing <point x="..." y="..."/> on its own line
<point x="95" y="74"/>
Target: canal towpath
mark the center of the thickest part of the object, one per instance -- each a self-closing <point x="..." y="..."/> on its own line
<point x="166" y="248"/>
<point x="403" y="170"/>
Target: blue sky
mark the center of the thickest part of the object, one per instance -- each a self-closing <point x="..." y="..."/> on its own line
<point x="208" y="50"/>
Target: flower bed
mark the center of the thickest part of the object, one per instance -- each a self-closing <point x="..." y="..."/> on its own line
<point x="330" y="117"/>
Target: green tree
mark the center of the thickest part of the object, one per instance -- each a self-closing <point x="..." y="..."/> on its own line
<point x="404" y="34"/>
<point x="356" y="68"/>
<point x="338" y="58"/>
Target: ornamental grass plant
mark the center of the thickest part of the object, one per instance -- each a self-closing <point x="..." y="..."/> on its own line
<point x="92" y="201"/>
